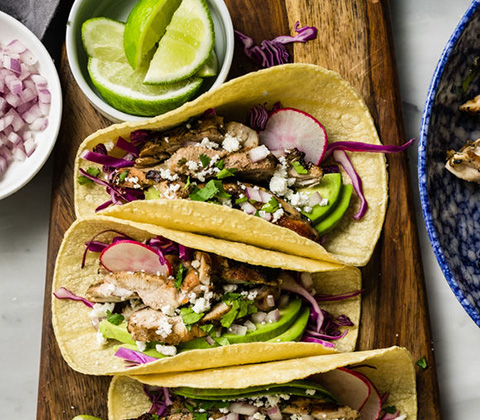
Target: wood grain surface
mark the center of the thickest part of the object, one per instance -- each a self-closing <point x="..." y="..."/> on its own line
<point x="355" y="40"/>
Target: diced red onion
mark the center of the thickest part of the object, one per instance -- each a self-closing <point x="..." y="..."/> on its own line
<point x="237" y="329"/>
<point x="274" y="413"/>
<point x="278" y="153"/>
<point x="259" y="317"/>
<point x="258" y="153"/>
<point x="253" y="194"/>
<point x="266" y="216"/>
<point x="250" y="325"/>
<point x="272" y="316"/>
<point x="248" y="207"/>
<point x="242" y="408"/>
<point x="209" y="340"/>
<point x="314" y="199"/>
<point x="229" y="416"/>
<point x="270" y="300"/>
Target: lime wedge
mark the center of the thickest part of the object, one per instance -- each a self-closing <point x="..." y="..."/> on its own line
<point x="99" y="37"/>
<point x="186" y="45"/>
<point x="145" y="25"/>
<point x="210" y="67"/>
<point x="120" y="85"/>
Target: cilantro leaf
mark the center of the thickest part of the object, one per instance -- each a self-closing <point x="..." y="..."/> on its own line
<point x="179" y="277"/>
<point x="200" y="416"/>
<point x="225" y="173"/>
<point x="301" y="170"/>
<point x="205" y="160"/>
<point x="422" y="362"/>
<point x="229" y="317"/>
<point x="220" y="164"/>
<point x="222" y="341"/>
<point x="122" y="176"/>
<point x="390" y="409"/>
<point x="213" y="188"/>
<point x="189" y="316"/>
<point x="209" y="329"/>
<point x="82" y="179"/>
<point x="271" y="207"/>
<point x="187" y="184"/>
<point x="241" y="200"/>
<point x="115" y="319"/>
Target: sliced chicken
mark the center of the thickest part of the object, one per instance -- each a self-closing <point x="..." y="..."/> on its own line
<point x="319" y="410"/>
<point x="314" y="175"/>
<point x="472" y="106"/>
<point x="247" y="136"/>
<point x="150" y="325"/>
<point x="216" y="313"/>
<point x="260" y="171"/>
<point x="465" y="163"/>
<point x="235" y="272"/>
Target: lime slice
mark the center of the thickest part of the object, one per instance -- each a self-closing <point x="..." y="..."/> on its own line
<point x="210" y="67"/>
<point x="145" y="25"/>
<point x="99" y="37"/>
<point x="120" y="85"/>
<point x="186" y="45"/>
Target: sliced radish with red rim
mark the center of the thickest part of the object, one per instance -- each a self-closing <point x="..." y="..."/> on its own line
<point x="134" y="256"/>
<point x="289" y="128"/>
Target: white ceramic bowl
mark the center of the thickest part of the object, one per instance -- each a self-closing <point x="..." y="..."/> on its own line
<point x="83" y="10"/>
<point x="19" y="173"/>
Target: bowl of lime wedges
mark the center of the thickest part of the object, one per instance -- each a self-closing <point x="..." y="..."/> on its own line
<point x="138" y="59"/>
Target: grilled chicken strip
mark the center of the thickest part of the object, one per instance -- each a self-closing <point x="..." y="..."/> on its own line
<point x="314" y="175"/>
<point x="235" y="272"/>
<point x="260" y="171"/>
<point x="465" y="163"/>
<point x="472" y="106"/>
<point x="247" y="136"/>
<point x="150" y="325"/>
<point x="319" y="410"/>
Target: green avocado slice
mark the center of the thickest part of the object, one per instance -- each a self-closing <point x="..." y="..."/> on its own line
<point x="300" y="388"/>
<point x="296" y="330"/>
<point x="329" y="188"/>
<point x="327" y="224"/>
<point x="116" y="332"/>
<point x="264" y="332"/>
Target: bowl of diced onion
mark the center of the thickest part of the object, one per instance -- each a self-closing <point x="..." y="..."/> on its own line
<point x="30" y="105"/>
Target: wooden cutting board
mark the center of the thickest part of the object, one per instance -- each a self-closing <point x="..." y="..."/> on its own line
<point x="355" y="40"/>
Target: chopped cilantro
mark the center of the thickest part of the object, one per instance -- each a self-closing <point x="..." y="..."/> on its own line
<point x="229" y="317"/>
<point x="122" y="176"/>
<point x="240" y="308"/>
<point x="422" y="362"/>
<point x="182" y="161"/>
<point x="208" y="328"/>
<point x="152" y="193"/>
<point x="179" y="277"/>
<point x="189" y="316"/>
<point x="212" y="188"/>
<point x="115" y="319"/>
<point x="257" y="213"/>
<point x="225" y="173"/>
<point x="301" y="170"/>
<point x="187" y="184"/>
<point x="82" y="179"/>
<point x="200" y="416"/>
<point x="222" y="341"/>
<point x="189" y="407"/>
<point x="205" y="160"/>
<point x="241" y="200"/>
<point x="390" y="409"/>
<point x="271" y="206"/>
<point x="208" y="405"/>
<point x="220" y="164"/>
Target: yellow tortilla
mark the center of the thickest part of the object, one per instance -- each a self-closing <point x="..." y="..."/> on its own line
<point x="390" y="370"/>
<point x="77" y="339"/>
<point x="313" y="89"/>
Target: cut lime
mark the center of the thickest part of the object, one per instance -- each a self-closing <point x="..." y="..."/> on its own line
<point x="121" y="86"/>
<point x="100" y="35"/>
<point x="145" y="25"/>
<point x="210" y="67"/>
<point x="186" y="45"/>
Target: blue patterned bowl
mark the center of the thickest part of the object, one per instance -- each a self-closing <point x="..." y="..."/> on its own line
<point x="451" y="206"/>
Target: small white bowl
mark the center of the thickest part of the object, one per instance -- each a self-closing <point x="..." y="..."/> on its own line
<point x="83" y="10"/>
<point x="19" y="173"/>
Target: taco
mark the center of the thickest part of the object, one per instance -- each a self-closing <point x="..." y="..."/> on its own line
<point x="139" y="298"/>
<point x="368" y="385"/>
<point x="249" y="162"/>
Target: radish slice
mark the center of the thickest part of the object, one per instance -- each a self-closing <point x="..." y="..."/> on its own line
<point x="373" y="406"/>
<point x="289" y="128"/>
<point x="348" y="387"/>
<point x="133" y="256"/>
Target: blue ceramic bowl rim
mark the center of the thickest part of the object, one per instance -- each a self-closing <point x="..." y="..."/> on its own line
<point x="422" y="170"/>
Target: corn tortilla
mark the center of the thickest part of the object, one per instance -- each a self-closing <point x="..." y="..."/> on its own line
<point x="313" y="89"/>
<point x="77" y="338"/>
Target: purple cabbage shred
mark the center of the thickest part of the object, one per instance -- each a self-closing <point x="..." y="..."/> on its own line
<point x="97" y="246"/>
<point x="64" y="293"/>
<point x="133" y="357"/>
<point x="140" y="137"/>
<point x="160" y="399"/>
<point x="127" y="147"/>
<point x="273" y="52"/>
<point x="353" y="146"/>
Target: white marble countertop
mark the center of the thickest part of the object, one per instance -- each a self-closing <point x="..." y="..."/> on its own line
<point x="421" y="29"/>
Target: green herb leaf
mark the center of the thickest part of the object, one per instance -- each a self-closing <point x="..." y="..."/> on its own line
<point x="422" y="362"/>
<point x="189" y="407"/>
<point x="179" y="276"/>
<point x="241" y="200"/>
<point x="209" y="329"/>
<point x="301" y="170"/>
<point x="213" y="188"/>
<point x="115" y="319"/>
<point x="271" y="207"/>
<point x="189" y="316"/>
<point x="187" y="184"/>
<point x="182" y="161"/>
<point x="205" y="160"/>
<point x="222" y="341"/>
<point x="225" y="173"/>
<point x="220" y="164"/>
<point x="229" y="317"/>
<point x="122" y="176"/>
<point x="200" y="416"/>
<point x="152" y="194"/>
<point x="390" y="409"/>
<point x="82" y="179"/>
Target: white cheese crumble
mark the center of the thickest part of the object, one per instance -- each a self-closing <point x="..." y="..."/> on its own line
<point x="231" y="144"/>
<point x="142" y="346"/>
<point x="310" y="391"/>
<point x="101" y="340"/>
<point x="207" y="143"/>
<point x="251" y="295"/>
<point x="166" y="350"/>
<point x="258" y="416"/>
<point x="201" y="305"/>
<point x="168" y="310"/>
<point x="109" y="145"/>
<point x="277" y="214"/>
<point x="166" y="174"/>
<point x="99" y="310"/>
<point x="229" y="288"/>
<point x="164" y="328"/>
<point x="196" y="264"/>
<point x="223" y="410"/>
<point x="273" y="400"/>
<point x="192" y="165"/>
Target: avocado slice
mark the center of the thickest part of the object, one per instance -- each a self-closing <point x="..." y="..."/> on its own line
<point x="295" y="332"/>
<point x="264" y="332"/>
<point x="298" y="387"/>
<point x="116" y="332"/>
<point x="330" y="187"/>
<point x="327" y="224"/>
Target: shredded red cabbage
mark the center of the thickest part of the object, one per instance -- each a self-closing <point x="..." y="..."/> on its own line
<point x="133" y="357"/>
<point x="353" y="146"/>
<point x="107" y="160"/>
<point x="273" y="52"/>
<point x="333" y="298"/>
<point x="63" y="293"/>
<point x="160" y="400"/>
<point x="97" y="246"/>
<point x="342" y="158"/>
<point x="257" y="117"/>
<point x="140" y="137"/>
<point x="165" y="246"/>
<point x="332" y="169"/>
<point x="127" y="147"/>
<point x="209" y="113"/>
